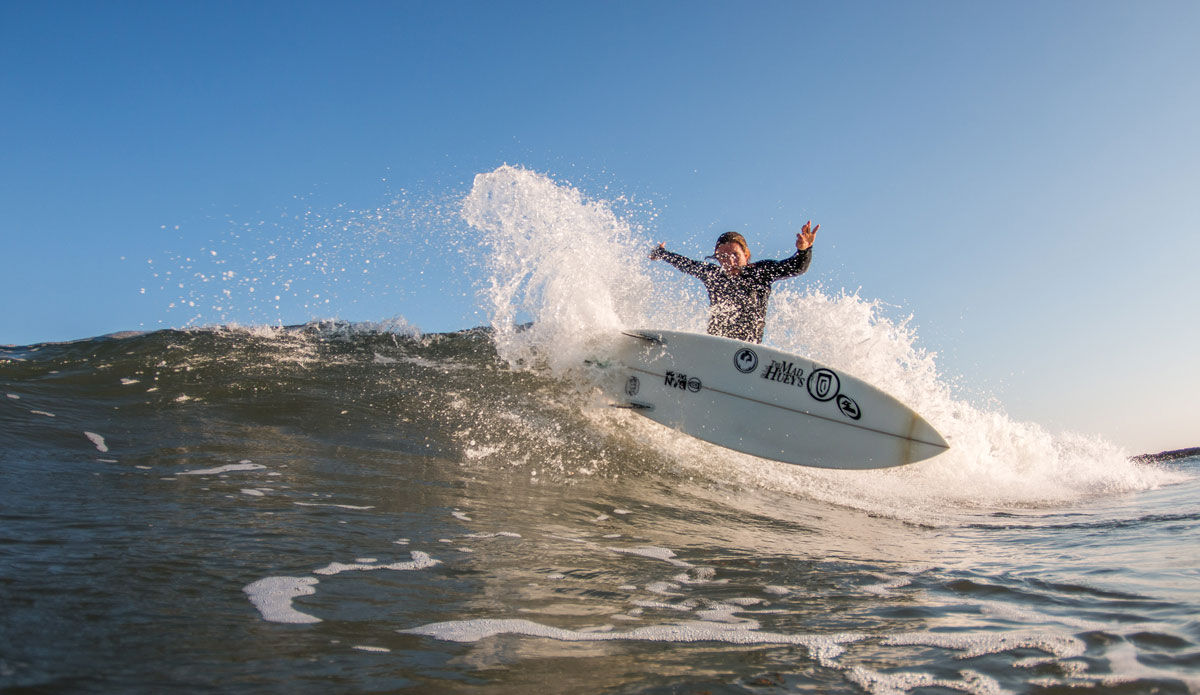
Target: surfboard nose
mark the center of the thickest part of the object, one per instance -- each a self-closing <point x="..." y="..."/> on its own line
<point x="924" y="441"/>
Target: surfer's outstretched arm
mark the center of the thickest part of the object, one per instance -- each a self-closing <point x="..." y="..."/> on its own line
<point x="797" y="264"/>
<point x="683" y="263"/>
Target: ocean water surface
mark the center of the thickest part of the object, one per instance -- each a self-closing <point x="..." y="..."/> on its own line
<point x="365" y="508"/>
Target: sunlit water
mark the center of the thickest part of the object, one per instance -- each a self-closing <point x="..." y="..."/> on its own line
<point x="350" y="508"/>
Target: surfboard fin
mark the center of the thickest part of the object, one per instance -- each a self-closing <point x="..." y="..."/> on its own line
<point x="644" y="336"/>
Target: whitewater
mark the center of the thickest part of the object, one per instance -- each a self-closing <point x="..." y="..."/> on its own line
<point x="366" y="507"/>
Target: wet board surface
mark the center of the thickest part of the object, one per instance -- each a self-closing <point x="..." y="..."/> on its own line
<point x="765" y="402"/>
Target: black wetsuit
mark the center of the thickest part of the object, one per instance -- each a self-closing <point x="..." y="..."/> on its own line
<point x="739" y="302"/>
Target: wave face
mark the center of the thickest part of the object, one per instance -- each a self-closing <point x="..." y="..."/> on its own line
<point x="368" y="506"/>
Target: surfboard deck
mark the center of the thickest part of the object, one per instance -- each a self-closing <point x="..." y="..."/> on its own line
<point x="765" y="402"/>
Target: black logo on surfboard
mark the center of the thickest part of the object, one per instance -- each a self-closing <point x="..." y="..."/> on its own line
<point x="632" y="386"/>
<point x="785" y="373"/>
<point x="848" y="407"/>
<point x="682" y="382"/>
<point x="745" y="360"/>
<point x="823" y="385"/>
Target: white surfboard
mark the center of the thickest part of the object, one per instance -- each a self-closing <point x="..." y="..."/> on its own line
<point x="766" y="402"/>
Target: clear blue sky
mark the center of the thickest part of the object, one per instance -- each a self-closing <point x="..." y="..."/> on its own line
<point x="1024" y="178"/>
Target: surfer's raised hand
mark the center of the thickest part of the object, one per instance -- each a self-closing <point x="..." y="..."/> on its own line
<point x="806" y="237"/>
<point x="658" y="252"/>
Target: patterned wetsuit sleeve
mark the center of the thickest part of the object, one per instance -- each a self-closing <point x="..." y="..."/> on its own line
<point x="683" y="263"/>
<point x="789" y="267"/>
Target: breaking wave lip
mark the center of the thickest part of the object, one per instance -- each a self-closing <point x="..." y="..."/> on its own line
<point x="324" y="328"/>
<point x="580" y="273"/>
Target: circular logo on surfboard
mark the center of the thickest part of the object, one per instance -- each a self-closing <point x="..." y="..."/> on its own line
<point x="745" y="360"/>
<point x="848" y="407"/>
<point x="632" y="386"/>
<point x="823" y="385"/>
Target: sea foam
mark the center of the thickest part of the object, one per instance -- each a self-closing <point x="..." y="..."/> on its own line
<point x="273" y="598"/>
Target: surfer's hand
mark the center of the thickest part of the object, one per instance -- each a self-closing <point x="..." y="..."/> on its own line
<point x="658" y="252"/>
<point x="806" y="237"/>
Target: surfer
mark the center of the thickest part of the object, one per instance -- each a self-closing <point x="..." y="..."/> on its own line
<point x="738" y="290"/>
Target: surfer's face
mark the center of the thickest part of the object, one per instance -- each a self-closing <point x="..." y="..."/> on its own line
<point x="732" y="256"/>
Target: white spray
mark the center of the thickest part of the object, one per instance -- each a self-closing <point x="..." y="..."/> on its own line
<point x="553" y="258"/>
<point x="578" y="272"/>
